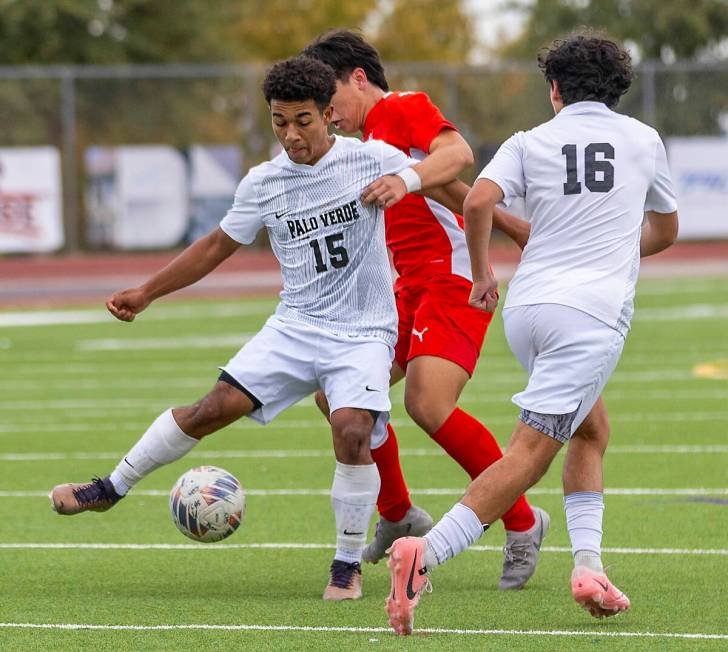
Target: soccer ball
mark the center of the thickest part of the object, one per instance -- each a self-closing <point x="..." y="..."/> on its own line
<point x="207" y="504"/>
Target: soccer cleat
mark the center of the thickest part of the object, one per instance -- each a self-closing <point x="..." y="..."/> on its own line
<point x="95" y="496"/>
<point x="521" y="552"/>
<point x="596" y="593"/>
<point x="416" y="523"/>
<point x="409" y="579"/>
<point x="344" y="581"/>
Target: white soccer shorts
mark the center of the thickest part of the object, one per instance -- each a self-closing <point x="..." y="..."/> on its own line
<point x="289" y="360"/>
<point x="569" y="356"/>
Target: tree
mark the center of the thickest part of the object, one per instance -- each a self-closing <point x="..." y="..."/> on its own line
<point x="426" y="30"/>
<point x="658" y="29"/>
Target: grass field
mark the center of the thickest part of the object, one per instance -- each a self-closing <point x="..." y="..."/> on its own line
<point x="75" y="396"/>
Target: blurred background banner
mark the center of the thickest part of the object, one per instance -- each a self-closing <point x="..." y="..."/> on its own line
<point x="30" y="200"/>
<point x="214" y="174"/>
<point x="136" y="197"/>
<point x="700" y="172"/>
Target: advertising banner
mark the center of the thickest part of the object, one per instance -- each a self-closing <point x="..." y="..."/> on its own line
<point x="136" y="197"/>
<point x="699" y="168"/>
<point x="30" y="200"/>
<point x="215" y="172"/>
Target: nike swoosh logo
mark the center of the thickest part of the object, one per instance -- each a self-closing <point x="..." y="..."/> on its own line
<point x="604" y="586"/>
<point x="370" y="389"/>
<point x="280" y="215"/>
<point x="410" y="593"/>
<point x="129" y="463"/>
<point x="351" y="534"/>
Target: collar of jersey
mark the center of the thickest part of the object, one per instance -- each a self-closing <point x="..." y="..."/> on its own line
<point x="320" y="162"/>
<point x="586" y="106"/>
<point x="372" y="116"/>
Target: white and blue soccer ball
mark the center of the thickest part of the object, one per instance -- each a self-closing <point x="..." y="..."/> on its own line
<point x="207" y="504"/>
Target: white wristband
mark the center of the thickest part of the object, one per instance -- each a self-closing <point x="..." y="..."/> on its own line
<point x="411" y="179"/>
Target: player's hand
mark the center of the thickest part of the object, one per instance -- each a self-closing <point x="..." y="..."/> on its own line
<point x="127" y="304"/>
<point x="385" y="191"/>
<point x="484" y="295"/>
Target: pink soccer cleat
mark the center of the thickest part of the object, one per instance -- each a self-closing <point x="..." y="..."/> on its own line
<point x="596" y="593"/>
<point x="409" y="578"/>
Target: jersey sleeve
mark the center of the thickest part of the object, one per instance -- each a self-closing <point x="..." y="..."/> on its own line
<point x="243" y="221"/>
<point x="506" y="169"/>
<point x="421" y="120"/>
<point x="660" y="195"/>
<point x="393" y="160"/>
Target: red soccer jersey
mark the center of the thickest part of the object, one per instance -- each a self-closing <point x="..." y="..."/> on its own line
<point x="425" y="238"/>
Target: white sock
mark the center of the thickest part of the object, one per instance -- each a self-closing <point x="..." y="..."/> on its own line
<point x="162" y="443"/>
<point x="584" y="512"/>
<point x="457" y="530"/>
<point x="353" y="497"/>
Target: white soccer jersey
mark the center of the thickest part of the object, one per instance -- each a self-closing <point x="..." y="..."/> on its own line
<point x="588" y="175"/>
<point x="331" y="247"/>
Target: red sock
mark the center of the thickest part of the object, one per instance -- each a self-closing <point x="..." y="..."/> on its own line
<point x="474" y="448"/>
<point x="393" y="500"/>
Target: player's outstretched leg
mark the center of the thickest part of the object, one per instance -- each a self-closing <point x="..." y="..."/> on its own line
<point x="398" y="516"/>
<point x="170" y="437"/>
<point x="432" y="405"/>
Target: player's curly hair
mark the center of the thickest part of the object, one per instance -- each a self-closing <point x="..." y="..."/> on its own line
<point x="345" y="50"/>
<point x="299" y="79"/>
<point x="587" y="66"/>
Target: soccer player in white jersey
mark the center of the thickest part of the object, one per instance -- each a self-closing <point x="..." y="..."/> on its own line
<point x="598" y="196"/>
<point x="335" y="326"/>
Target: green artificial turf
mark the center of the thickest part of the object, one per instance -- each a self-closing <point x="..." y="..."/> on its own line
<point x="74" y="397"/>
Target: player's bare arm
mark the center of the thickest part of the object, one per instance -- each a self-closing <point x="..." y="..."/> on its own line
<point x="452" y="196"/>
<point x="478" y="216"/>
<point x="658" y="232"/>
<point x="194" y="263"/>
<point x="449" y="156"/>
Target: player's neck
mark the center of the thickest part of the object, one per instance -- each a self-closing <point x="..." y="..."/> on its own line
<point x="326" y="145"/>
<point x="372" y="95"/>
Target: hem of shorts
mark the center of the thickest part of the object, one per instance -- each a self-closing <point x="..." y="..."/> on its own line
<point x="543" y="430"/>
<point x="459" y="362"/>
<point x="352" y="404"/>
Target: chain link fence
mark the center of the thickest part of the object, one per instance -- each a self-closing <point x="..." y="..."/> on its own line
<point x="77" y="108"/>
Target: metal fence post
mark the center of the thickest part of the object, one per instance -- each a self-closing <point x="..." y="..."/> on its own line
<point x="71" y="218"/>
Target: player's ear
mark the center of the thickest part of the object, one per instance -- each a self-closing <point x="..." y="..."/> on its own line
<point x="359" y="77"/>
<point x="327" y="113"/>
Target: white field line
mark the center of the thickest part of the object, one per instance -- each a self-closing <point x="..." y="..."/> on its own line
<point x="160" y="343"/>
<point x="690" y="311"/>
<point x="60" y="317"/>
<point x="372" y="630"/>
<point x="325" y="453"/>
<point x="330" y="546"/>
<point x="536" y="491"/>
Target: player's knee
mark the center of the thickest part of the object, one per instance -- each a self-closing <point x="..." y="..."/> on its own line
<point x="426" y="411"/>
<point x="352" y="442"/>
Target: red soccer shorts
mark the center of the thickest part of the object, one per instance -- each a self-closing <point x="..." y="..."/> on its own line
<point x="435" y="319"/>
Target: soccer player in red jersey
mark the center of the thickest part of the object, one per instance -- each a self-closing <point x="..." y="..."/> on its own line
<point x="440" y="335"/>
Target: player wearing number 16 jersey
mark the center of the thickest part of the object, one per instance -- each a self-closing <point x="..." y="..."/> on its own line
<point x="598" y="196"/>
<point x="334" y="328"/>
